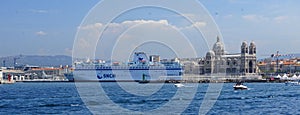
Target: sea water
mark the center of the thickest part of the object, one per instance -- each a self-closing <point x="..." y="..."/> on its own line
<point x="63" y="98"/>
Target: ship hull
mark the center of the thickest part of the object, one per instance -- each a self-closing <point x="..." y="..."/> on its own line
<point x="110" y="75"/>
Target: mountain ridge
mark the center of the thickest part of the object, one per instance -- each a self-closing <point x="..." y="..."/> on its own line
<point x="36" y="60"/>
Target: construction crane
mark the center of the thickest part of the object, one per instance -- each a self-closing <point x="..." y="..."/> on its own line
<point x="277" y="62"/>
<point x="15" y="59"/>
<point x="3" y="62"/>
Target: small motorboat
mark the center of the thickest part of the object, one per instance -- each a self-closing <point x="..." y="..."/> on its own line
<point x="178" y="85"/>
<point x="240" y="86"/>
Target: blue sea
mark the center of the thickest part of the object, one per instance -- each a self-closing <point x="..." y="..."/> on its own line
<point x="64" y="98"/>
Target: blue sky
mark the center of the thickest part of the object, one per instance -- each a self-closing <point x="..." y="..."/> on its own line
<point x="48" y="27"/>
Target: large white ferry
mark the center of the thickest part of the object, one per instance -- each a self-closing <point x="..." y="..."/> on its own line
<point x="139" y="69"/>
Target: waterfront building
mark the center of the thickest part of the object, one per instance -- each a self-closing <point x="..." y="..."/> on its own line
<point x="218" y="61"/>
<point x="28" y="73"/>
<point x="280" y="64"/>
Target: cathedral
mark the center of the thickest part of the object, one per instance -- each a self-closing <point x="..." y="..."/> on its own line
<point x="217" y="61"/>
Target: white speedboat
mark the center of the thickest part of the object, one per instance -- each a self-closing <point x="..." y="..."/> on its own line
<point x="178" y="85"/>
<point x="293" y="82"/>
<point x="239" y="86"/>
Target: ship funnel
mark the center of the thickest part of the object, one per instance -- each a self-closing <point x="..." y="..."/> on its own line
<point x="140" y="58"/>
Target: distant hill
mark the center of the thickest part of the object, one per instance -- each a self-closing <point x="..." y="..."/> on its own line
<point x="36" y="60"/>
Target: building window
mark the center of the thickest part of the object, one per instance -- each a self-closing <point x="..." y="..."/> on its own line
<point x="234" y="63"/>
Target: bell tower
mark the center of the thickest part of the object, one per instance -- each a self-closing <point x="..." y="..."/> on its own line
<point x="244" y="48"/>
<point x="248" y="58"/>
<point x="244" y="61"/>
<point x="252" y="48"/>
<point x="252" y="58"/>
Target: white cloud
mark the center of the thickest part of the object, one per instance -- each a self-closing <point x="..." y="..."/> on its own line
<point x="123" y="24"/>
<point x="261" y="18"/>
<point x="250" y="17"/>
<point x="194" y="25"/>
<point x="165" y="22"/>
<point x="280" y="19"/>
<point x="131" y="31"/>
<point x="255" y="18"/>
<point x="38" y="11"/>
<point x="118" y="27"/>
<point x="228" y="16"/>
<point x="40" y="33"/>
<point x="191" y="16"/>
<point x="89" y="34"/>
<point x="238" y="1"/>
<point x="91" y="26"/>
<point x="199" y="24"/>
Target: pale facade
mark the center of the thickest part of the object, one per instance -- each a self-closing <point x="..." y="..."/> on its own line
<point x="217" y="61"/>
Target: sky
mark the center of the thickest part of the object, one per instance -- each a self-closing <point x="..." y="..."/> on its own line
<point x="48" y="27"/>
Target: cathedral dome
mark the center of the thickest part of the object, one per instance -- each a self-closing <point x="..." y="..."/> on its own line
<point x="219" y="47"/>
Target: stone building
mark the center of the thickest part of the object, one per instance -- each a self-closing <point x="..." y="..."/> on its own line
<point x="218" y="61"/>
<point x="280" y="64"/>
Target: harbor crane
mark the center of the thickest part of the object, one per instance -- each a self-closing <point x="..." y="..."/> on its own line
<point x="3" y="62"/>
<point x="15" y="59"/>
